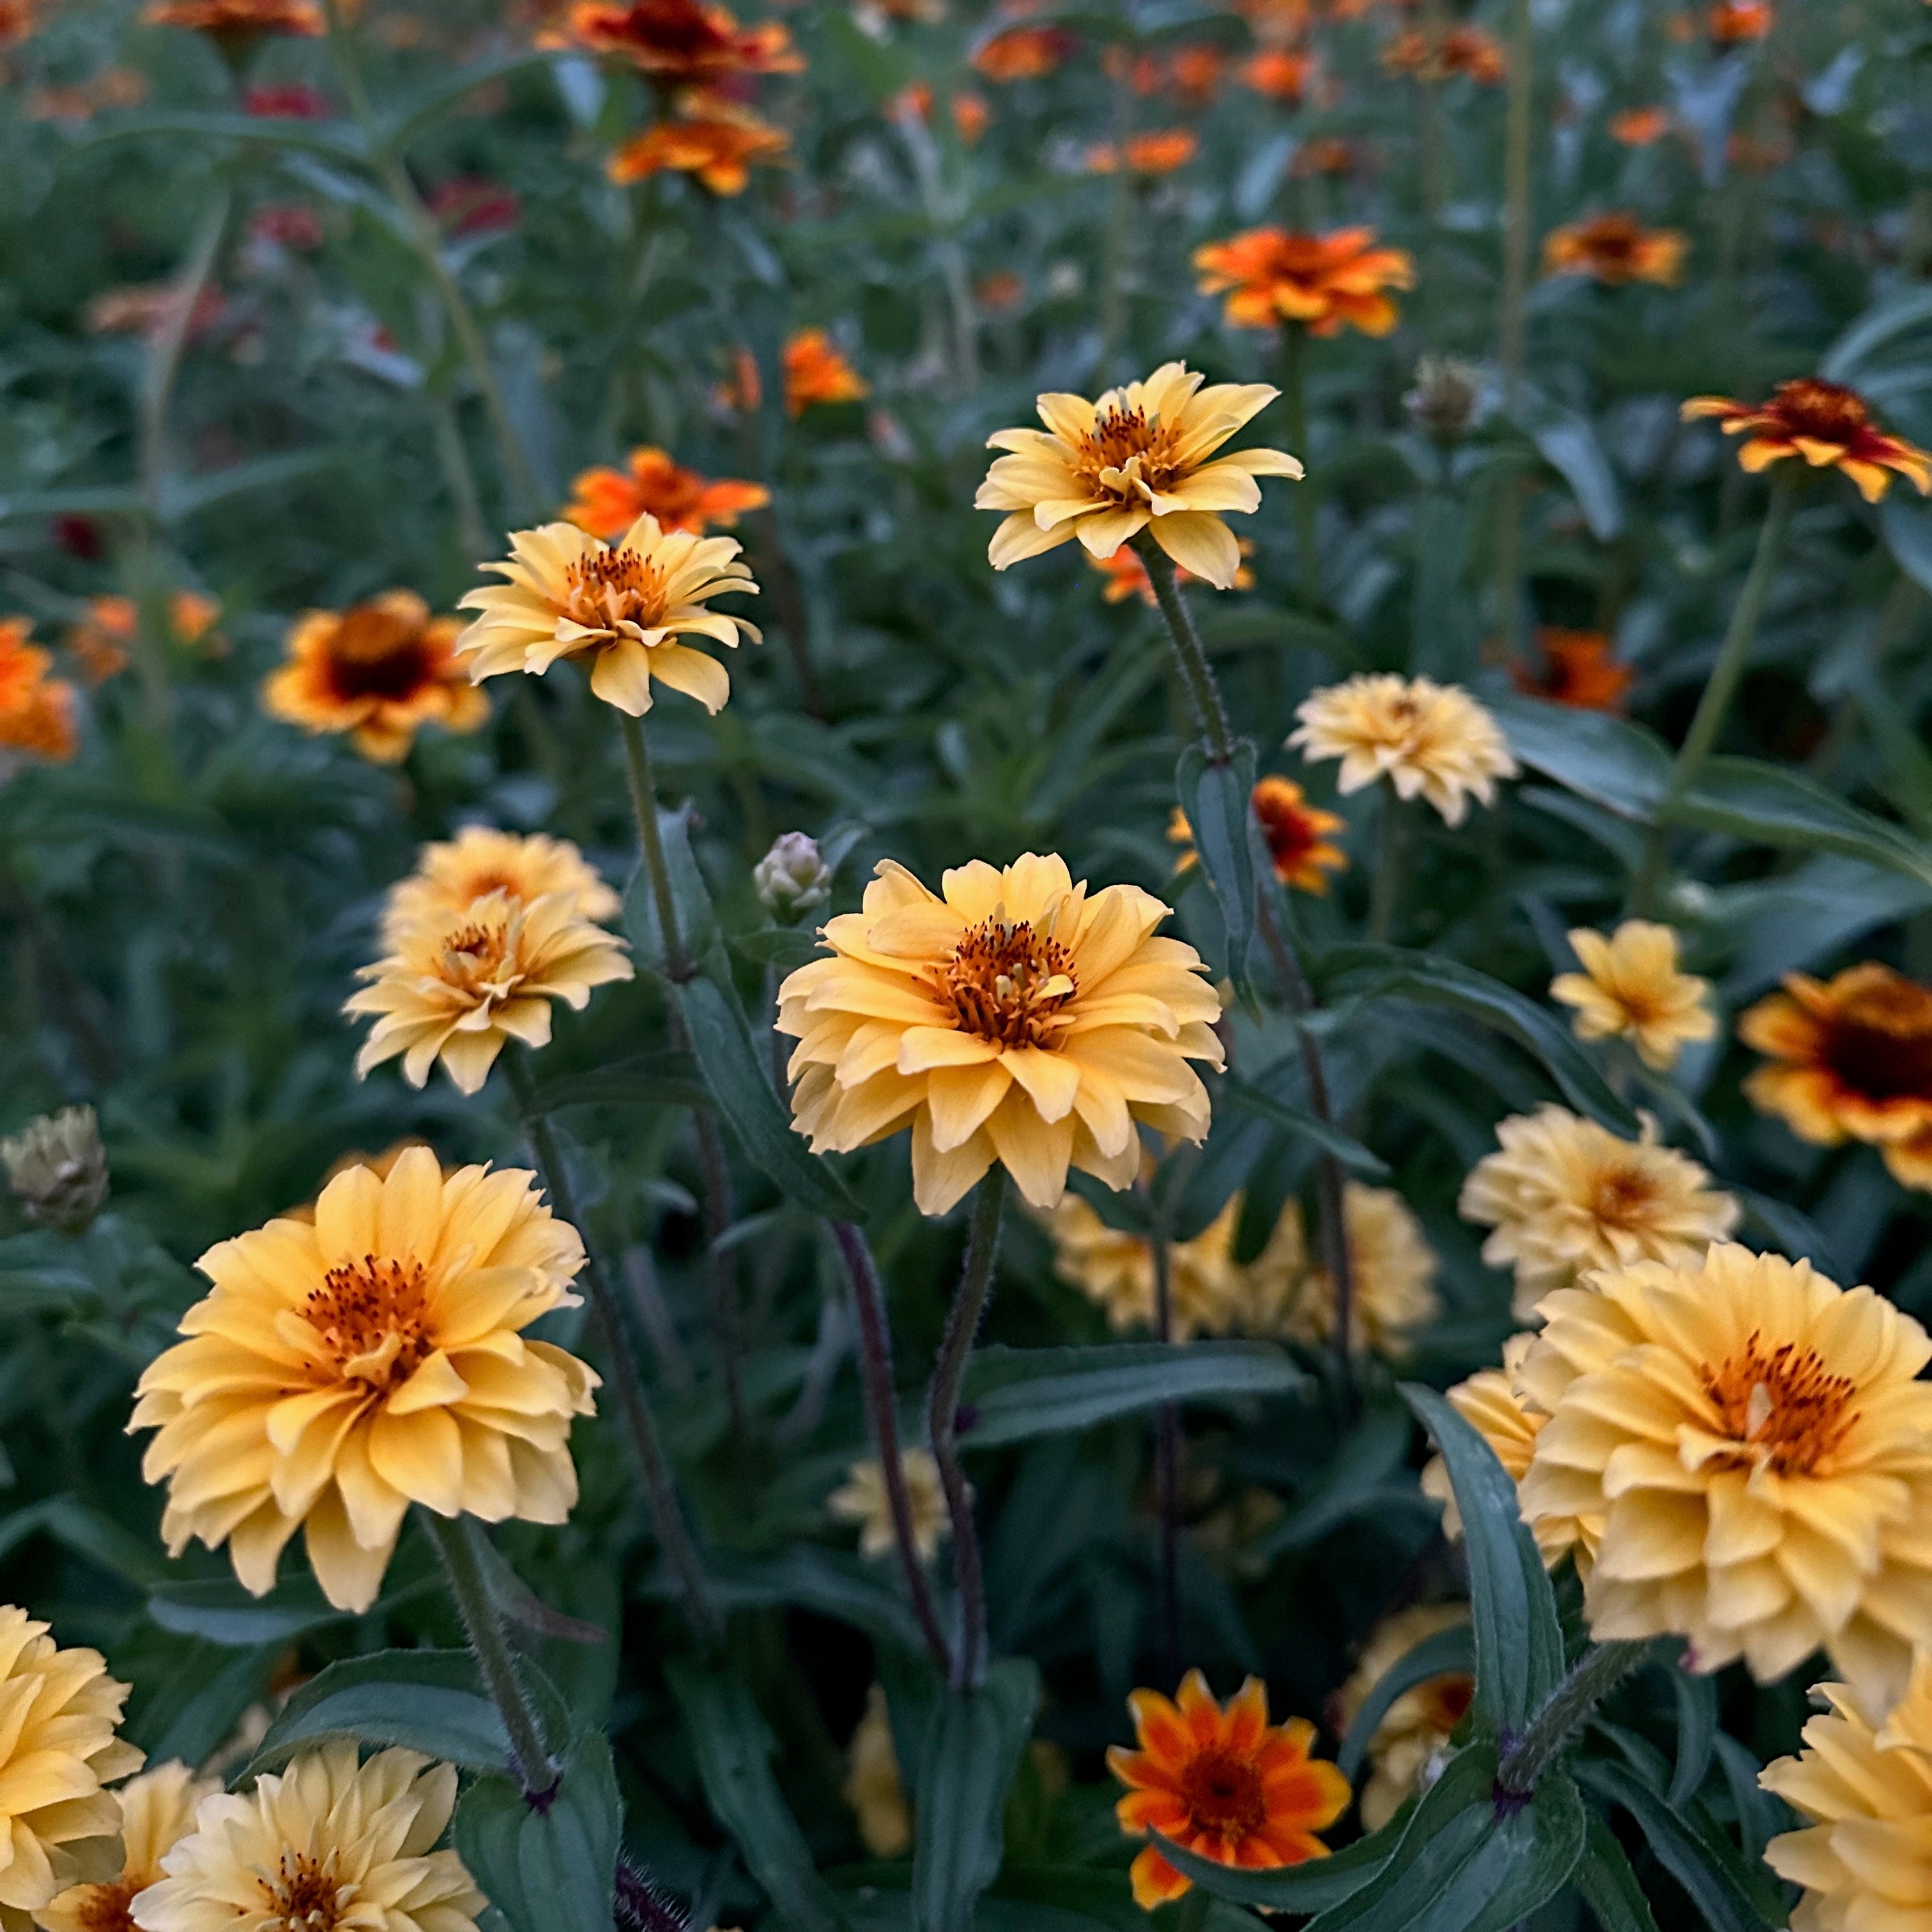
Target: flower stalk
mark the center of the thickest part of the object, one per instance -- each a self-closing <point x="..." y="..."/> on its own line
<point x="1591" y="1678"/>
<point x="1167" y="1457"/>
<point x="1195" y="671"/>
<point x="1385" y="886"/>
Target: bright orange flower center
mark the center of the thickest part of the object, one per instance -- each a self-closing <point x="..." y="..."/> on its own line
<point x="1784" y="1405"/>
<point x="304" y="1896"/>
<point x="1125" y="445"/>
<point x="1006" y="984"/>
<point x="105" y="1907"/>
<point x="374" y="653"/>
<point x="1879" y="1043"/>
<point x="1828" y="412"/>
<point x="1223" y="1793"/>
<point x="371" y="1315"/>
<point x="607" y="587"/>
<point x="1623" y="1198"/>
<point x="1290" y="834"/>
<point x="1613" y="240"/>
<point x="476" y="959"/>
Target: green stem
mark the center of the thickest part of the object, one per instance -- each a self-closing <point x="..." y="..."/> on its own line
<point x="948" y="1377"/>
<point x="1294" y="397"/>
<point x="1591" y="1678"/>
<point x="1189" y="653"/>
<point x="1385" y="887"/>
<point x="1510" y="332"/>
<point x="463" y="1570"/>
<point x="1715" y="706"/>
<point x="1167" y="1458"/>
<point x="644" y="808"/>
<point x="1195" y="1906"/>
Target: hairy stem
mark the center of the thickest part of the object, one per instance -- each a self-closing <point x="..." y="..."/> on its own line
<point x="644" y="809"/>
<point x="1167" y="1461"/>
<point x="1591" y="1678"/>
<point x="1195" y="671"/>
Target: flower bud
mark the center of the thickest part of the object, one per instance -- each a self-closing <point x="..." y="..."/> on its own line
<point x="792" y="878"/>
<point x="1446" y="401"/>
<point x="58" y="1168"/>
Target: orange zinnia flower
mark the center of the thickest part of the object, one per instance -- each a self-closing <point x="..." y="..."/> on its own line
<point x="1024" y="53"/>
<point x="1733" y="21"/>
<point x="1851" y="1059"/>
<point x="378" y="670"/>
<point x="1224" y="1784"/>
<point x="970" y="114"/>
<point x="1296" y="834"/>
<point x="1328" y="154"/>
<point x="1578" y="670"/>
<point x="36" y="711"/>
<point x="1159" y="153"/>
<point x="239" y="20"/>
<point x="677" y="42"/>
<point x="1282" y="73"/>
<point x="1638" y="127"/>
<point x="816" y="372"/>
<point x="1826" y="424"/>
<point x="606" y="503"/>
<point x="1461" y="50"/>
<point x="1327" y="282"/>
<point x="718" y="144"/>
<point x="100" y="641"/>
<point x="1614" y="249"/>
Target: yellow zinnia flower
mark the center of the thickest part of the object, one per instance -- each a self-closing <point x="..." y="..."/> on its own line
<point x="1422" y="736"/>
<point x="343" y="1369"/>
<point x="457" y="987"/>
<point x="862" y="1499"/>
<point x="450" y="877"/>
<point x="330" y="1844"/>
<point x="874" y="1788"/>
<point x="57" y="1749"/>
<point x="157" y="1812"/>
<point x="1631" y="988"/>
<point x="1760" y="1448"/>
<point x="1136" y="460"/>
<point x="1420" y="1723"/>
<point x="1016" y="1018"/>
<point x="623" y="606"/>
<point x="1564" y="1195"/>
<point x="1865" y="1859"/>
<point x="1114" y="1269"/>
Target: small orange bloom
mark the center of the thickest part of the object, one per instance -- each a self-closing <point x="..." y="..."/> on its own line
<point x="743" y="391"/>
<point x="36" y="711"/>
<point x="1577" y="670"/>
<point x="677" y="42"/>
<point x="237" y="20"/>
<point x="1614" y="249"/>
<point x="1024" y="53"/>
<point x="1731" y="22"/>
<point x="606" y="503"/>
<point x="970" y="114"/>
<point x="378" y="671"/>
<point x="1851" y="1059"/>
<point x="720" y="143"/>
<point x="1826" y="424"/>
<point x="1000" y="292"/>
<point x="1194" y="73"/>
<point x="1146" y="154"/>
<point x="1328" y="282"/>
<point x="1468" y="51"/>
<point x="1127" y="575"/>
<point x="1328" y="154"/>
<point x="99" y="642"/>
<point x="1638" y="127"/>
<point x="1296" y="833"/>
<point x="1224" y="1784"/>
<point x="1282" y="73"/>
<point x="816" y="372"/>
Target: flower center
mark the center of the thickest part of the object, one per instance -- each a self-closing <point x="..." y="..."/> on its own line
<point x="677" y="29"/>
<point x="1880" y="1045"/>
<point x="371" y="1315"/>
<point x="1007" y="984"/>
<point x="477" y="961"/>
<point x="1829" y="412"/>
<point x="1127" y="441"/>
<point x="376" y="654"/>
<point x="304" y="1896"/>
<point x="103" y="1908"/>
<point x="1611" y="239"/>
<point x="1783" y="1406"/>
<point x="1223" y="1793"/>
<point x="1623" y="1197"/>
<point x="608" y="588"/>
<point x="1290" y="837"/>
<point x="1447" y="1699"/>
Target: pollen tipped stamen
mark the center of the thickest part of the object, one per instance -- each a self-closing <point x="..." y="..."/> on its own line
<point x="1008" y="984"/>
<point x="370" y="1316"/>
<point x="608" y="588"/>
<point x="1782" y="1408"/>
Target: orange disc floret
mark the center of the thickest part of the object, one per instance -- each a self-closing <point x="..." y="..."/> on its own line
<point x="677" y="42"/>
<point x="817" y="371"/>
<point x="606" y="503"/>
<point x="1223" y="1783"/>
<point x="718" y="142"/>
<point x="1578" y="669"/>
<point x="1825" y="423"/>
<point x="1327" y="283"/>
<point x="1615" y="249"/>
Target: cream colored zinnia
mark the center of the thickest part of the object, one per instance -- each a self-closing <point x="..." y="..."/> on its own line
<point x="622" y="606"/>
<point x="1137" y="459"/>
<point x="451" y="875"/>
<point x="1114" y="1268"/>
<point x="874" y="1788"/>
<point x="863" y="1499"/>
<point x="343" y="1369"/>
<point x="1865" y="1857"/>
<point x="330" y="1845"/>
<point x="156" y="1811"/>
<point x="1426" y="738"/>
<point x="1631" y="988"/>
<point x="58" y="1712"/>
<point x="458" y="987"/>
<point x="1759" y="1447"/>
<point x="1418" y="1725"/>
<point x="1563" y="1196"/>
<point x="1017" y="1017"/>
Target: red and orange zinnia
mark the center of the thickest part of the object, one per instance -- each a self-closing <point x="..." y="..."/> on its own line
<point x="816" y="371"/>
<point x="606" y="503"/>
<point x="1826" y="424"/>
<point x="1024" y="53"/>
<point x="1615" y="249"/>
<point x="716" y="140"/>
<point x="677" y="42"/>
<point x="1327" y="283"/>
<point x="1296" y="834"/>
<point x="1578" y="669"/>
<point x="1224" y="1784"/>
<point x="1731" y="22"/>
<point x="237" y="20"/>
<point x="1155" y="154"/>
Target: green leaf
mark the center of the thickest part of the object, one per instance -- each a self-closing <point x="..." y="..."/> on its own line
<point x="1448" y="1650"/>
<point x="87" y="1532"/>
<point x="1568" y="443"/>
<point x="833" y="1583"/>
<point x="1018" y="1394"/>
<point x="785" y="947"/>
<point x="1608" y="1886"/>
<point x="219" y="1611"/>
<point x="1214" y="798"/>
<point x="733" y="1745"/>
<point x="429" y="1700"/>
<point x="1350" y="1153"/>
<point x="1367" y="1473"/>
<point x="1768" y="805"/>
<point x="691" y="898"/>
<point x="971" y="1749"/>
<point x="1371" y="972"/>
<point x="1519" y="1640"/>
<point x="1697" y="1733"/>
<point x="551" y="1868"/>
<point x="1312" y="1887"/>
<point x="1892" y="316"/>
<point x="337" y="141"/>
<point x="1621" y="766"/>
<point x="667" y="1079"/>
<point x="720" y="1039"/>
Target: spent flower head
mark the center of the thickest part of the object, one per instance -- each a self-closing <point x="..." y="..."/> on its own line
<point x="1447" y="400"/>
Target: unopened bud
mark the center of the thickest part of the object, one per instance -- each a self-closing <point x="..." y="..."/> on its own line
<point x="792" y="878"/>
<point x="1446" y="401"/>
<point x="58" y="1168"/>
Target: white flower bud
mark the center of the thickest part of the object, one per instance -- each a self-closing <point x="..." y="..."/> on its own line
<point x="57" y="1168"/>
<point x="792" y="878"/>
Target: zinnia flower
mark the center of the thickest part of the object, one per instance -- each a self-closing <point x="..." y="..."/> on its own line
<point x="1731" y="22"/>
<point x="1137" y="459"/>
<point x="1024" y="53"/>
<point x="971" y="116"/>
<point x="342" y="1368"/>
<point x="1296" y="833"/>
<point x="1016" y="1018"/>
<point x="1615" y="249"/>
<point x="1865" y="1857"/>
<point x="1638" y="127"/>
<point x="1424" y="737"/>
<point x="623" y="606"/>
<point x="329" y="1843"/>
<point x="379" y="671"/>
<point x="1564" y="1196"/>
<point x="862" y="1498"/>
<point x="57" y="1749"/>
<point x="1469" y="51"/>
<point x="874" y="1788"/>
<point x="816" y="371"/>
<point x="720" y="144"/>
<point x="1851" y="1059"/>
<point x="1127" y="575"/>
<point x="606" y="503"/>
<point x="1826" y="424"/>
<point x="1114" y="1269"/>
<point x="1327" y="283"/>
<point x="1420" y="1723"/>
<point x="1759" y="1446"/>
<point x="1282" y="73"/>
<point x="1222" y="1783"/>
<point x="237" y="20"/>
<point x="450" y="877"/>
<point x="37" y="711"/>
<point x="156" y="1811"/>
<point x="102" y="638"/>
<point x="1631" y="988"/>
<point x="457" y="988"/>
<point x="1159" y="153"/>
<point x="1578" y="669"/>
<point x="675" y="43"/>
